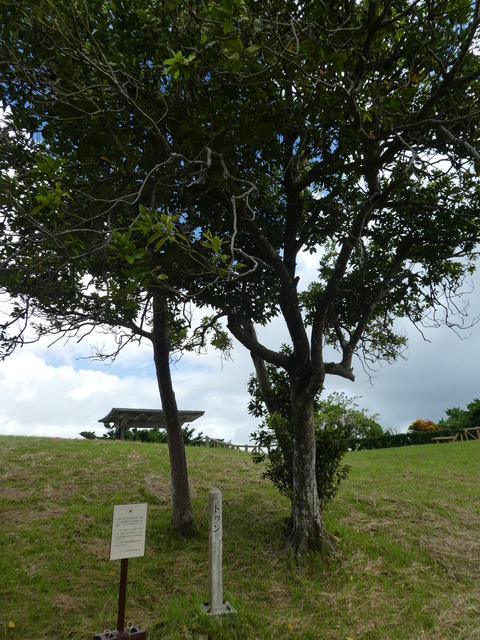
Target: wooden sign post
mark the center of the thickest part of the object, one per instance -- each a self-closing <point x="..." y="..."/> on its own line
<point x="127" y="541"/>
<point x="216" y="608"/>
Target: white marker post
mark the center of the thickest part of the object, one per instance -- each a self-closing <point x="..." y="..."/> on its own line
<point x="215" y="544"/>
<point x="127" y="541"/>
<point x="216" y="605"/>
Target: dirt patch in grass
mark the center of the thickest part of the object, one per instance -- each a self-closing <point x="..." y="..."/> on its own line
<point x="134" y="457"/>
<point x="457" y="552"/>
<point x="27" y="516"/>
<point x="360" y="521"/>
<point x="64" y="603"/>
<point x="454" y="614"/>
<point x="15" y="495"/>
<point x="159" y="487"/>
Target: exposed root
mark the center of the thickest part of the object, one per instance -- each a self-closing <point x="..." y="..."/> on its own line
<point x="301" y="543"/>
<point x="184" y="527"/>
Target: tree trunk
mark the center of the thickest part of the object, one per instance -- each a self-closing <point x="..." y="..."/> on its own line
<point x="308" y="527"/>
<point x="182" y="514"/>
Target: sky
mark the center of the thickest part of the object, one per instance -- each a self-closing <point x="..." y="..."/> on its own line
<point x="57" y="391"/>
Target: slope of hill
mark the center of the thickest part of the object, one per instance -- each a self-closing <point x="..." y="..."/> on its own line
<point x="406" y="522"/>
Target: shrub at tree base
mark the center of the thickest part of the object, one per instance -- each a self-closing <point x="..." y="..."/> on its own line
<point x="423" y="425"/>
<point x="331" y="446"/>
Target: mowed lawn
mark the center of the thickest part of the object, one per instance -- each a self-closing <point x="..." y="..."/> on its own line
<point x="406" y="524"/>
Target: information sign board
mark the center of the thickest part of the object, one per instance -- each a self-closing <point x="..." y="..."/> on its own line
<point x="128" y="531"/>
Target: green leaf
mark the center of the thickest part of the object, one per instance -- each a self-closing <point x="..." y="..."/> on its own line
<point x="137" y="255"/>
<point x="253" y="48"/>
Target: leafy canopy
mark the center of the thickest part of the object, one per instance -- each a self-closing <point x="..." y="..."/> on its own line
<point x="349" y="131"/>
<point x="85" y="169"/>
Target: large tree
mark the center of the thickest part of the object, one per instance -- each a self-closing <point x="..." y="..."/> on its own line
<point x="349" y="130"/>
<point x="346" y="129"/>
<point x="84" y="156"/>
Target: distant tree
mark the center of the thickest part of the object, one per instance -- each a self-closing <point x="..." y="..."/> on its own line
<point x="89" y="435"/>
<point x="462" y="418"/>
<point x="423" y="425"/>
<point x="474" y="410"/>
<point x="155" y="435"/>
<point x="341" y="412"/>
<point x="456" y="419"/>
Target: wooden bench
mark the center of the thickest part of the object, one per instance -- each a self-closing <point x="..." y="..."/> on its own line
<point x="473" y="433"/>
<point x="142" y="419"/>
<point x="439" y="439"/>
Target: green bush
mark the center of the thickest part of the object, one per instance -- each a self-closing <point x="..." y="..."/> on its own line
<point x="155" y="435"/>
<point x="331" y="446"/>
<point x="338" y="420"/>
<point x="386" y="441"/>
<point x="88" y="435"/>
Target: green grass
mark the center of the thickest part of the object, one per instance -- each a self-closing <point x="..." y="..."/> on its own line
<point x="407" y="524"/>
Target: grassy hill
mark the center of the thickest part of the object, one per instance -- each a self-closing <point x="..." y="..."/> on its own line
<point x="407" y="523"/>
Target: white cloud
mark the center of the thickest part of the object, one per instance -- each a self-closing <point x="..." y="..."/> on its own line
<point x="40" y="399"/>
<point x="50" y="392"/>
<point x="59" y="400"/>
<point x="88" y="384"/>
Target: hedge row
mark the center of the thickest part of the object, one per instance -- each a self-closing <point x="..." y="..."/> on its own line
<point x="386" y="441"/>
